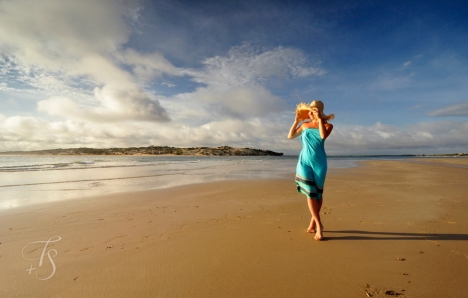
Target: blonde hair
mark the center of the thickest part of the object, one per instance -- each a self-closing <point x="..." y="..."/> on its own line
<point x="303" y="110"/>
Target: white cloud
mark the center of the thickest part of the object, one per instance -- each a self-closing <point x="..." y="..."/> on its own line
<point x="23" y="126"/>
<point x="28" y="133"/>
<point x="245" y="66"/>
<point x="235" y="84"/>
<point x="460" y="110"/>
<point x="69" y="48"/>
<point x="115" y="105"/>
<point x="239" y="102"/>
<point x="147" y="66"/>
<point x="49" y="32"/>
<point x="425" y="136"/>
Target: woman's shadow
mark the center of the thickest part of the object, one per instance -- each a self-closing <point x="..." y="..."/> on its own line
<point x="367" y="235"/>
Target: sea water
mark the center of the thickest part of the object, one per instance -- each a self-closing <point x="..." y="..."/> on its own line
<point x="28" y="179"/>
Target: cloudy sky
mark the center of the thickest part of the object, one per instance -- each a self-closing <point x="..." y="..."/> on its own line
<point x="107" y="73"/>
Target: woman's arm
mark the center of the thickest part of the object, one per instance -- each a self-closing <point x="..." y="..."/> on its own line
<point x="324" y="128"/>
<point x="295" y="130"/>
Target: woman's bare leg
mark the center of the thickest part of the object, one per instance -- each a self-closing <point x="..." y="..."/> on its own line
<point x="312" y="225"/>
<point x="314" y="207"/>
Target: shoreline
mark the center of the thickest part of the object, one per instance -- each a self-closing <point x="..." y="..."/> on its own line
<point x="389" y="226"/>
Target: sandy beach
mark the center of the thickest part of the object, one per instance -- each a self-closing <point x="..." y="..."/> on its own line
<point x="392" y="229"/>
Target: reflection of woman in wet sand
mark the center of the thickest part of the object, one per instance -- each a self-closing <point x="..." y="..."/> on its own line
<point x="312" y="164"/>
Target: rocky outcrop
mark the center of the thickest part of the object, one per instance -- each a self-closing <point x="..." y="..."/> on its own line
<point x="155" y="150"/>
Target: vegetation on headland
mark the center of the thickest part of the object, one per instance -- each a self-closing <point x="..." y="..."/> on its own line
<point x="153" y="150"/>
<point x="444" y="155"/>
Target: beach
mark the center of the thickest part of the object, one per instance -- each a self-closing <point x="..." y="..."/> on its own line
<point x="393" y="228"/>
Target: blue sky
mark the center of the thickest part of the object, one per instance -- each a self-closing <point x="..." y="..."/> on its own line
<point x="106" y="73"/>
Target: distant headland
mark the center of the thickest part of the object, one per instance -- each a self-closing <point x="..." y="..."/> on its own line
<point x="445" y="154"/>
<point x="152" y="150"/>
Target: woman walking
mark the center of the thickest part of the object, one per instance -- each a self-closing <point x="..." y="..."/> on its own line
<point x="311" y="167"/>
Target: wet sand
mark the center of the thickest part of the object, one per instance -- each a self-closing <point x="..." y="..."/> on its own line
<point x="392" y="228"/>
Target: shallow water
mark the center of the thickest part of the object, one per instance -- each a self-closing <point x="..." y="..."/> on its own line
<point x="36" y="179"/>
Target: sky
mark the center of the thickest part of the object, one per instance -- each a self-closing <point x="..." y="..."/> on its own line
<point x="118" y="73"/>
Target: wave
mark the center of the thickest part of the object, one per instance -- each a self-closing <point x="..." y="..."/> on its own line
<point x="98" y="180"/>
<point x="86" y="165"/>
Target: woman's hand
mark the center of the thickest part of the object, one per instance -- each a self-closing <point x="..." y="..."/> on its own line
<point x="295" y="130"/>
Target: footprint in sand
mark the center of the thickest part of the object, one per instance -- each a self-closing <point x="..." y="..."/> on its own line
<point x="120" y="236"/>
<point x="95" y="184"/>
<point x="373" y="292"/>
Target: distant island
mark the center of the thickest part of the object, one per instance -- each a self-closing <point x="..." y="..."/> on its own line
<point x="444" y="154"/>
<point x="152" y="150"/>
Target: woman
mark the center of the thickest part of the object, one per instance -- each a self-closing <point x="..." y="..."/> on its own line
<point x="312" y="164"/>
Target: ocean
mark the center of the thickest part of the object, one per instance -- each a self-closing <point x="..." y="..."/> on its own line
<point x="28" y="179"/>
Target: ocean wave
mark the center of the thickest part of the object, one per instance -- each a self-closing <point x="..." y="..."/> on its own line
<point x="80" y="165"/>
<point x="84" y="162"/>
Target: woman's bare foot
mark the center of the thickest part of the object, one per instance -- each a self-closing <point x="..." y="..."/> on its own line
<point x="311" y="228"/>
<point x="318" y="236"/>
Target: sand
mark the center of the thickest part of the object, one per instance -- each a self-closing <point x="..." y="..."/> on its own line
<point x="392" y="229"/>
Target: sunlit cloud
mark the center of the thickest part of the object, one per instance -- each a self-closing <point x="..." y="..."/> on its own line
<point x="29" y="133"/>
<point x="457" y="110"/>
<point x="235" y="84"/>
<point x="75" y="54"/>
<point x="392" y="139"/>
<point x="115" y="105"/>
<point x="245" y="65"/>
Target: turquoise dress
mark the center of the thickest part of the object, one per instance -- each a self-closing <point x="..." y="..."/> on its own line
<point x="312" y="165"/>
